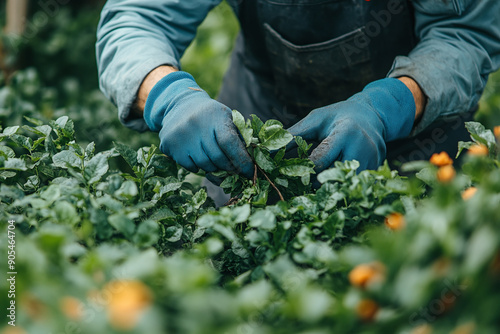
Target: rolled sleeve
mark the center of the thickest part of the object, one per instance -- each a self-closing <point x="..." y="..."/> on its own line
<point x="136" y="36"/>
<point x="459" y="46"/>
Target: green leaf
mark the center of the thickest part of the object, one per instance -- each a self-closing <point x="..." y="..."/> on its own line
<point x="162" y="213"/>
<point x="64" y="127"/>
<point x="89" y="150"/>
<point x="264" y="219"/>
<point x="173" y="233"/>
<point x="332" y="174"/>
<point x="297" y="168"/>
<point x="8" y="131"/>
<point x="256" y="124"/>
<point x="273" y="136"/>
<point x="37" y="156"/>
<point x="172" y="186"/>
<point x="306" y="179"/>
<point x="15" y="164"/>
<point x="73" y="146"/>
<point x="32" y="182"/>
<point x="65" y="213"/>
<point x="43" y="130"/>
<point x="22" y="141"/>
<point x="128" y="190"/>
<point x="163" y="163"/>
<point x="480" y="249"/>
<point x="123" y="224"/>
<point x="34" y="121"/>
<point x="7" y="152"/>
<point x="38" y="142"/>
<point x="246" y="132"/>
<point x="286" y="273"/>
<point x="128" y="154"/>
<point x="208" y="220"/>
<point x="428" y="175"/>
<point x="66" y="158"/>
<point x="110" y="203"/>
<point x="280" y="155"/>
<point x="281" y="181"/>
<point x="95" y="168"/>
<point x="415" y="166"/>
<point x="200" y="198"/>
<point x="62" y="121"/>
<point x="260" y="199"/>
<point x="463" y="146"/>
<point x="144" y="154"/>
<point x="263" y="159"/>
<point x="239" y="249"/>
<point x="6" y="174"/>
<point x="302" y="146"/>
<point x="257" y="237"/>
<point x="147" y="234"/>
<point x="352" y="165"/>
<point x="225" y="231"/>
<point x="480" y="134"/>
<point x="240" y="214"/>
<point x="52" y="193"/>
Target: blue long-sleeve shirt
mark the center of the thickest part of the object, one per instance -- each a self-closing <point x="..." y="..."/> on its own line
<point x="459" y="45"/>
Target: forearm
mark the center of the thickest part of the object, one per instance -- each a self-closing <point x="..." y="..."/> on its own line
<point x="147" y="84"/>
<point x="418" y="95"/>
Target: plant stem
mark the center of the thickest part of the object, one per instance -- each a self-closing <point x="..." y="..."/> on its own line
<point x="272" y="183"/>
<point x="254" y="173"/>
<point x="232" y="200"/>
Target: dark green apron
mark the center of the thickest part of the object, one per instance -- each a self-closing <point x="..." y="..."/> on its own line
<point x="293" y="56"/>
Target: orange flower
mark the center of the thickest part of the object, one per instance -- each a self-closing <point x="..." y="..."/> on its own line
<point x="496" y="131"/>
<point x="441" y="266"/>
<point x="478" y="150"/>
<point x="441" y="159"/>
<point x="367" y="309"/>
<point x="33" y="306"/>
<point x="468" y="193"/>
<point x="12" y="330"/>
<point x="467" y="328"/>
<point x="395" y="221"/>
<point x="367" y="273"/>
<point x="422" y="329"/>
<point x="71" y="307"/>
<point x="127" y="301"/>
<point x="446" y="173"/>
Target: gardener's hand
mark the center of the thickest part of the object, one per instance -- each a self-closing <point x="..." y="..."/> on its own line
<point x="195" y="130"/>
<point x="359" y="127"/>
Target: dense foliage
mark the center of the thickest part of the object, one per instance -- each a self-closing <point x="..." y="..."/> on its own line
<point x="112" y="236"/>
<point x="318" y="259"/>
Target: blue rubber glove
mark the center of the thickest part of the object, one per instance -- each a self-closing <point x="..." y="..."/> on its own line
<point x="195" y="130"/>
<point x="358" y="128"/>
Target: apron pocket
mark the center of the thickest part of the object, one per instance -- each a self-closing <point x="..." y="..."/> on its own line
<point x="314" y="75"/>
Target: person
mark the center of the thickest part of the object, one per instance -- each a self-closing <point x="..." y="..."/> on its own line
<point x="361" y="79"/>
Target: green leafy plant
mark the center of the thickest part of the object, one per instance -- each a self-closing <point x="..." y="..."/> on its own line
<point x="285" y="177"/>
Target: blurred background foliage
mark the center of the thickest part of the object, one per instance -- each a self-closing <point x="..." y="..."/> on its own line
<point x="52" y="72"/>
